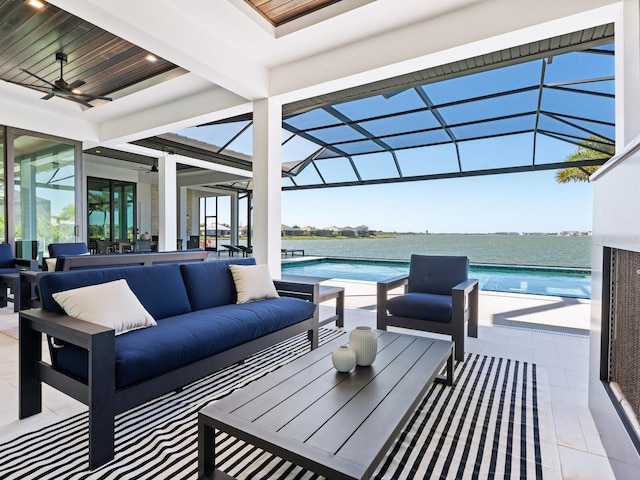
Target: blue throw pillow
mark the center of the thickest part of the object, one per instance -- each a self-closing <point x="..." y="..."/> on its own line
<point x="210" y="284"/>
<point x="159" y="288"/>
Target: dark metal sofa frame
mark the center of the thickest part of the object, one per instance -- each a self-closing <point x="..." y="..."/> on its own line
<point x="99" y="392"/>
<point x="74" y="262"/>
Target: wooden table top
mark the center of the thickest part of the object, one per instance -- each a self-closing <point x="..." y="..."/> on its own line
<point x="338" y="425"/>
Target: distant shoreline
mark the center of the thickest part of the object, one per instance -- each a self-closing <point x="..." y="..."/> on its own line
<point x="398" y="234"/>
<point x="340" y="237"/>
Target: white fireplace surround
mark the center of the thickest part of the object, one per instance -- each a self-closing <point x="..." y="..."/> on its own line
<point x="616" y="224"/>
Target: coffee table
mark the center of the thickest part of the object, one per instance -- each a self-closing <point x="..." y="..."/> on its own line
<point x="339" y="425"/>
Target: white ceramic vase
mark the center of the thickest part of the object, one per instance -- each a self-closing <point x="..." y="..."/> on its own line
<point x="364" y="342"/>
<point x="344" y="358"/>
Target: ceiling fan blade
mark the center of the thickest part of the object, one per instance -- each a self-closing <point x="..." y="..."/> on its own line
<point x="72" y="97"/>
<point x="93" y="97"/>
<point x="34" y="87"/>
<point x="77" y="96"/>
<point x="48" y="96"/>
<point x="39" y="78"/>
<point x="76" y="84"/>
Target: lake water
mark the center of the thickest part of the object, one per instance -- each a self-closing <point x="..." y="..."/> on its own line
<point x="539" y="250"/>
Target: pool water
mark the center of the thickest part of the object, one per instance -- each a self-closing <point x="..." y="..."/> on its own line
<point x="560" y="282"/>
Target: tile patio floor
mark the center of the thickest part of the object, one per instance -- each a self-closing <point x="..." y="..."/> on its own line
<point x="550" y="331"/>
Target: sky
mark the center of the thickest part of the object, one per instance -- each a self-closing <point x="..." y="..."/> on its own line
<point x="518" y="202"/>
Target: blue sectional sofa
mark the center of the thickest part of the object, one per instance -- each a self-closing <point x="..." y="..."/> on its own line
<point x="200" y="329"/>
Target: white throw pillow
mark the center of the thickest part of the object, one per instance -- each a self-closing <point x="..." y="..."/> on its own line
<point x="110" y="304"/>
<point x="253" y="282"/>
<point x="51" y="264"/>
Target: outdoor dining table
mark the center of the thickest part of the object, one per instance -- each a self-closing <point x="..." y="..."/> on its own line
<point x="124" y="246"/>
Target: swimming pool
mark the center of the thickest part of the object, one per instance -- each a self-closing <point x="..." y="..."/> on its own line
<point x="560" y="282"/>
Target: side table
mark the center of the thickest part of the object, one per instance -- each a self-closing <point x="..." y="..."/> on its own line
<point x="28" y="281"/>
<point x="327" y="293"/>
<point x="10" y="281"/>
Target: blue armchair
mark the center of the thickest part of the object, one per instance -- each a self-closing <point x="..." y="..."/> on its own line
<point x="439" y="297"/>
<point x="57" y="250"/>
<point x="9" y="265"/>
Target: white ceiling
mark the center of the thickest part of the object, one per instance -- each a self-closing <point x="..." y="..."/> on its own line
<point x="232" y="56"/>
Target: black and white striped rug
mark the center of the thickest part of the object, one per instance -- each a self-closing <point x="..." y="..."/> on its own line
<point x="496" y="422"/>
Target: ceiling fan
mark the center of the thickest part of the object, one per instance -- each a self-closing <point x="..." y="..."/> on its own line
<point x="61" y="88"/>
<point x="153" y="169"/>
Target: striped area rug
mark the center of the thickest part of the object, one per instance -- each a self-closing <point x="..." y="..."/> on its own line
<point x="495" y="422"/>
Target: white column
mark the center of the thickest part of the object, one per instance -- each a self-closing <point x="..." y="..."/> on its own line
<point x="145" y="208"/>
<point x="167" y="194"/>
<point x="234" y="219"/>
<point x="627" y="70"/>
<point x="195" y="214"/>
<point x="267" y="182"/>
<point x="182" y="217"/>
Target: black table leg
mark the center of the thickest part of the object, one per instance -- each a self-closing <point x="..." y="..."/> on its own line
<point x="206" y="449"/>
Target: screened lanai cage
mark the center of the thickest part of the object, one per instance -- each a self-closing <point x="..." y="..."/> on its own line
<point x="521" y="109"/>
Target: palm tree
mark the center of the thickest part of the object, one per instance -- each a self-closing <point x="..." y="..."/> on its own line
<point x="97" y="203"/>
<point x="591" y="148"/>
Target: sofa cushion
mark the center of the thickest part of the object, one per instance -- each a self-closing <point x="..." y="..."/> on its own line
<point x="210" y="284"/>
<point x="159" y="288"/>
<point x="253" y="282"/>
<point x="423" y="306"/>
<point x="9" y="270"/>
<point x="184" y="339"/>
<point x="6" y="256"/>
<point x="110" y="304"/>
<point x="66" y="249"/>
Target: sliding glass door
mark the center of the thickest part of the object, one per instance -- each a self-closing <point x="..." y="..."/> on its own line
<point x="215" y="219"/>
<point x="124" y="211"/>
<point x="98" y="209"/>
<point x="2" y="186"/>
<point x="44" y="200"/>
<point x="111" y="209"/>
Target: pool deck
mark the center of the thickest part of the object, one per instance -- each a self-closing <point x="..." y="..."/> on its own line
<point x="538" y="312"/>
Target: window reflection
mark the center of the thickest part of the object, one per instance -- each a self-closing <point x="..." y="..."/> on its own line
<point x="44" y="193"/>
<point x="2" y="185"/>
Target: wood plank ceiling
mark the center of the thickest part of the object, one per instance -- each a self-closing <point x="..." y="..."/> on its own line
<point x="31" y="37"/>
<point x="282" y="11"/>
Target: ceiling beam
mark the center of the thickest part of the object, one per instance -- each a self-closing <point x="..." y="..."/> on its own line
<point x="170" y="32"/>
<point x="406" y="50"/>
